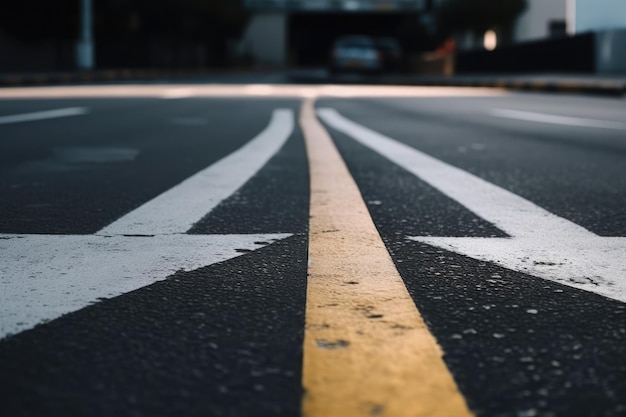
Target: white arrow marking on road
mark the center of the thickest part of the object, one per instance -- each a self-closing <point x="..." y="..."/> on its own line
<point x="541" y="244"/>
<point x="42" y="115"/>
<point x="45" y="276"/>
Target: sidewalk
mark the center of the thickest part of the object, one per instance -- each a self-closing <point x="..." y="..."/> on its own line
<point x="613" y="85"/>
<point x="606" y="84"/>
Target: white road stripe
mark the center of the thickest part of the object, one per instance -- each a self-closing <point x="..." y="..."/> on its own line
<point x="176" y="210"/>
<point x="509" y="212"/>
<point x="43" y="277"/>
<point x="541" y="243"/>
<point x="43" y="115"/>
<point x="557" y="120"/>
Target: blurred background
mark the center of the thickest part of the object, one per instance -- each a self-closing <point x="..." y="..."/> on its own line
<point x="430" y="37"/>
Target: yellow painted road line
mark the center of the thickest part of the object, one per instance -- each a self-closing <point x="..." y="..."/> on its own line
<point x="367" y="351"/>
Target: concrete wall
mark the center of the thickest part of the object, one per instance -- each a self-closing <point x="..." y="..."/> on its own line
<point x="593" y="15"/>
<point x="611" y="51"/>
<point x="265" y="39"/>
<point x="534" y="22"/>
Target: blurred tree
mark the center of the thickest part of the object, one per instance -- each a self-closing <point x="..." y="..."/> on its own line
<point x="478" y="16"/>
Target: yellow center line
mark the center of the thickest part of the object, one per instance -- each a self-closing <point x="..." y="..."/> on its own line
<point x="367" y="351"/>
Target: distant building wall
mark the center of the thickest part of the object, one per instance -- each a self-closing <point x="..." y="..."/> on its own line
<point x="541" y="19"/>
<point x="265" y="39"/>
<point x="593" y="15"/>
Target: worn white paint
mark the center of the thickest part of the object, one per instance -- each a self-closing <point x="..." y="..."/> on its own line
<point x="557" y="120"/>
<point x="43" y="277"/>
<point x="176" y="210"/>
<point x="43" y="115"/>
<point x="541" y="243"/>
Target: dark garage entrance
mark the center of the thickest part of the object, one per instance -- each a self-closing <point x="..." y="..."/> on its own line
<point x="311" y="35"/>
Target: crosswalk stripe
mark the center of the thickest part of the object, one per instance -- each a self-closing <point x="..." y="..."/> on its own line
<point x="367" y="350"/>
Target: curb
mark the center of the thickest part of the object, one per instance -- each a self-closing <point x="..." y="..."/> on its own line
<point x="607" y="88"/>
<point x="82" y="77"/>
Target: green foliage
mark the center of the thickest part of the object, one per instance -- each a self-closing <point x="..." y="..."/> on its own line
<point x="478" y="15"/>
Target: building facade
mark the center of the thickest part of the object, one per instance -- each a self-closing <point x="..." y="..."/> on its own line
<point x="542" y="19"/>
<point x="597" y="15"/>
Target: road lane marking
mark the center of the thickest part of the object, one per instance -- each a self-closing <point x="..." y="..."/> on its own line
<point x="176" y="210"/>
<point x="558" y="120"/>
<point x="43" y="115"/>
<point x="367" y="350"/>
<point x="507" y="211"/>
<point x="43" y="277"/>
<point x="541" y="243"/>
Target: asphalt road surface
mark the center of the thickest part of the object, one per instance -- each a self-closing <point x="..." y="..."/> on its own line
<point x="202" y="250"/>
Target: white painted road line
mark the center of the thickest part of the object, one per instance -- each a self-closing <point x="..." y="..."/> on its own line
<point x="43" y="115"/>
<point x="176" y="210"/>
<point x="507" y="211"/>
<point x="541" y="243"/>
<point x="557" y="120"/>
<point x="43" y="277"/>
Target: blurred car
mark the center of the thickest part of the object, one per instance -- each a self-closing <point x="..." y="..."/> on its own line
<point x="390" y="53"/>
<point x="355" y="54"/>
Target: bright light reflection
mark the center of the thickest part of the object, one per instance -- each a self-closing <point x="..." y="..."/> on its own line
<point x="182" y="91"/>
<point x="490" y="40"/>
